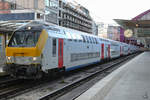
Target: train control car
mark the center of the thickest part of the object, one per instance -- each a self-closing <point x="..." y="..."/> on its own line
<point x="40" y="48"/>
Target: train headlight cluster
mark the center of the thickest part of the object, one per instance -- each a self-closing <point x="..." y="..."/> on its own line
<point x="9" y="58"/>
<point x="29" y="28"/>
<point x="34" y="58"/>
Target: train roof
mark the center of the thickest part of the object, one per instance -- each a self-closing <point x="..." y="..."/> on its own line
<point x="67" y="33"/>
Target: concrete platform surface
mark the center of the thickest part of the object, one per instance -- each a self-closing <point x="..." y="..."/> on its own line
<point x="130" y="82"/>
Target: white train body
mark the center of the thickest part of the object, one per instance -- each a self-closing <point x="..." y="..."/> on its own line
<point x="61" y="48"/>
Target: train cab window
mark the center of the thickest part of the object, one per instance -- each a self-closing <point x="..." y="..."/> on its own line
<point x="24" y="38"/>
<point x="54" y="48"/>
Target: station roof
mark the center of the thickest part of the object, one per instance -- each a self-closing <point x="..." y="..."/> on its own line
<point x="138" y="17"/>
<point x="9" y="26"/>
<point x="142" y="26"/>
<point x="133" y="23"/>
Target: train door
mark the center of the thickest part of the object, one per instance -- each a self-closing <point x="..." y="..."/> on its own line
<point x="102" y="51"/>
<point x="105" y="51"/>
<point x="60" y="53"/>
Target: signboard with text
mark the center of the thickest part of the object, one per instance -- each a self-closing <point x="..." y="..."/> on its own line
<point x="17" y="16"/>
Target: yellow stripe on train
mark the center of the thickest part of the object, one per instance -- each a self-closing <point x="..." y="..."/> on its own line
<point x="29" y="51"/>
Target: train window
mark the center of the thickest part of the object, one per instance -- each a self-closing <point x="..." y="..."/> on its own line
<point x="70" y="39"/>
<point x="87" y="39"/>
<point x="95" y="40"/>
<point x="80" y="40"/>
<point x="90" y="39"/>
<point x="64" y="32"/>
<point x="83" y="38"/>
<point x="54" y="47"/>
<point x="75" y="40"/>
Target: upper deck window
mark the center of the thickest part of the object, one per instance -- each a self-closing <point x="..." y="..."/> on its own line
<point x="83" y="38"/>
<point x="96" y="40"/>
<point x="87" y="39"/>
<point x="90" y="39"/>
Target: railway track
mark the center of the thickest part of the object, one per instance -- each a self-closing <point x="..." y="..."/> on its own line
<point x="13" y="90"/>
<point x="4" y="77"/>
<point x="7" y="82"/>
<point x="17" y="87"/>
<point x="13" y="87"/>
<point x="9" y="87"/>
<point x="62" y="91"/>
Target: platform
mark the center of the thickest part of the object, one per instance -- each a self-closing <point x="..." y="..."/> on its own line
<point x="130" y="82"/>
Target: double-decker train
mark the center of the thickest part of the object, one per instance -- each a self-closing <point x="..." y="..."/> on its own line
<point x="38" y="48"/>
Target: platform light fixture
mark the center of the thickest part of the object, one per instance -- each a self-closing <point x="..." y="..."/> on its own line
<point x="136" y="25"/>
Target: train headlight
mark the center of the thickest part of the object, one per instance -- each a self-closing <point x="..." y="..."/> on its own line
<point x="29" y="28"/>
<point x="34" y="58"/>
<point x="9" y="58"/>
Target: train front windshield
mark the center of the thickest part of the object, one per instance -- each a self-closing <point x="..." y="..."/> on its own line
<point x="26" y="38"/>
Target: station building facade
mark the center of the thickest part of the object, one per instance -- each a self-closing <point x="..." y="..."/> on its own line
<point x="109" y="31"/>
<point x="140" y="25"/>
<point x="65" y="13"/>
<point x="75" y="16"/>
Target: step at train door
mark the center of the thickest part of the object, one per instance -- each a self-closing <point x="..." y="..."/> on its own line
<point x="60" y="53"/>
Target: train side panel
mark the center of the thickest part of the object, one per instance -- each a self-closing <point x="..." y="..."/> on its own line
<point x="81" y="54"/>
